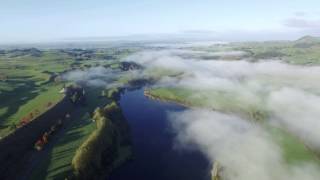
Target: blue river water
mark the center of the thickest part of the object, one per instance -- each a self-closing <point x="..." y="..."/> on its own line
<point x="155" y="157"/>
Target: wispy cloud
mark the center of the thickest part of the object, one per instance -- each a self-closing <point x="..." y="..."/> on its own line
<point x="300" y="13"/>
<point x="302" y="23"/>
<point x="95" y="76"/>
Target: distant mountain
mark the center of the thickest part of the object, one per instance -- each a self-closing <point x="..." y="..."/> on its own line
<point x="308" y="39"/>
<point x="307" y="42"/>
<point x="23" y="52"/>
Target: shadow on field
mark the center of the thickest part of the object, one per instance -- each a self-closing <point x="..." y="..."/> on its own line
<point x="14" y="99"/>
<point x="56" y="163"/>
<point x="51" y="155"/>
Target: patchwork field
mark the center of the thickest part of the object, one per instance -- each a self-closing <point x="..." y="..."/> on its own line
<point x="33" y="81"/>
<point x="260" y="86"/>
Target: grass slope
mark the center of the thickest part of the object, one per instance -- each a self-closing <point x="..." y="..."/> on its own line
<point x="24" y="103"/>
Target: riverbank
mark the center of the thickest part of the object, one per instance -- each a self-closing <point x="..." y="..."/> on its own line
<point x="152" y="96"/>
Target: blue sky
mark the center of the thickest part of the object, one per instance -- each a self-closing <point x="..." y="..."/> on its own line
<point x="40" y="20"/>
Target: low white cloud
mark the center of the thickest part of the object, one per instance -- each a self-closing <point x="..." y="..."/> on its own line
<point x="245" y="150"/>
<point x="208" y="74"/>
<point x="96" y="76"/>
<point x="299" y="111"/>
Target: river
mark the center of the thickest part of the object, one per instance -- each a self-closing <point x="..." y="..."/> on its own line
<point x="155" y="157"/>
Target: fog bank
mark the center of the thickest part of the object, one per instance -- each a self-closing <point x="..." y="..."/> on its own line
<point x="287" y="95"/>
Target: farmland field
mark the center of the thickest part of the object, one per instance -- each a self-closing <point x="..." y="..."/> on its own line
<point x="245" y="83"/>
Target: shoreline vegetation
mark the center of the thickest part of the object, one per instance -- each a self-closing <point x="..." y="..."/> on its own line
<point x="108" y="146"/>
<point x="216" y="171"/>
<point x="149" y="94"/>
<point x="101" y="152"/>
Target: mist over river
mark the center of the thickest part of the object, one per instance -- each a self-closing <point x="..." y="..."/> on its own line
<point x="155" y="154"/>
